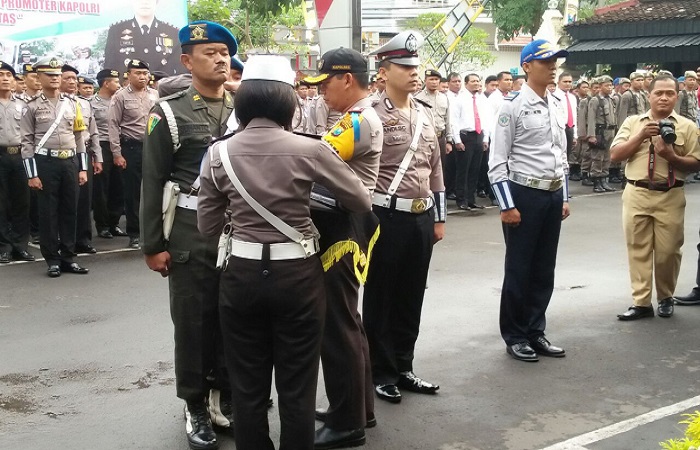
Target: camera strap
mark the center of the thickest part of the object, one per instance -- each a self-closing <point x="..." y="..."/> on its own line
<point x="652" y="165"/>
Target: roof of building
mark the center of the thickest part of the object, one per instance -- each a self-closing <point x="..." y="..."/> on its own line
<point x="643" y="10"/>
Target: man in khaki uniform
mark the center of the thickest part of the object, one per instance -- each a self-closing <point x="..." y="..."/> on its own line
<point x="581" y="153"/>
<point x="411" y="208"/>
<point x="687" y="104"/>
<point x="601" y="124"/>
<point x="653" y="203"/>
<point x="325" y="116"/>
<point x="128" y="113"/>
<point x="52" y="134"/>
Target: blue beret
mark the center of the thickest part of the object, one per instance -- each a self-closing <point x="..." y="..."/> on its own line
<point x="541" y="49"/>
<point x="616" y="81"/>
<point x="681" y="79"/>
<point x="202" y="32"/>
<point x="236" y="64"/>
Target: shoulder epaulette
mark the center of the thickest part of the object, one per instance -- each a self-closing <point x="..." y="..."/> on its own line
<point x="357" y="110"/>
<point x="423" y="102"/>
<point x="511" y="95"/>
<point x="312" y="136"/>
<point x="173" y="96"/>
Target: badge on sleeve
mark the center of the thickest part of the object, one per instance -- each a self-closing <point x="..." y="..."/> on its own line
<point x="153" y="120"/>
<point x="504" y="120"/>
<point x="344" y="134"/>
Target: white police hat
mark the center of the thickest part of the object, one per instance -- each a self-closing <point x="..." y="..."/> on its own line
<point x="401" y="49"/>
<point x="269" y="67"/>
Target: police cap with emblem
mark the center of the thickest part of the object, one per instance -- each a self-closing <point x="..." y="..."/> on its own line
<point x="541" y="49"/>
<point x="605" y="79"/>
<point x="107" y="73"/>
<point x="49" y="65"/>
<point x="158" y="75"/>
<point x="636" y="75"/>
<point x="691" y="74"/>
<point x="9" y="68"/>
<point x="624" y="80"/>
<point x="401" y="49"/>
<point x="85" y="80"/>
<point x="137" y="64"/>
<point x="237" y="64"/>
<point x="336" y="61"/>
<point x="432" y="73"/>
<point x="27" y="68"/>
<point x="205" y="32"/>
<point x="69" y="68"/>
<point x="269" y="68"/>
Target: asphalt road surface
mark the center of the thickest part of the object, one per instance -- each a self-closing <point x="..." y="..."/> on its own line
<point x="86" y="361"/>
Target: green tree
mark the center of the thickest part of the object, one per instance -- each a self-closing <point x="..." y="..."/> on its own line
<point x="471" y="52"/>
<point x="517" y="16"/>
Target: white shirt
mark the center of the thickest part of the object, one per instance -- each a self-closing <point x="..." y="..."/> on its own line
<point x="462" y="115"/>
<point x="562" y="96"/>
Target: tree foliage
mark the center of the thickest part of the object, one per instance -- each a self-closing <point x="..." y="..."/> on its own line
<point x="513" y="17"/>
<point x="470" y="54"/>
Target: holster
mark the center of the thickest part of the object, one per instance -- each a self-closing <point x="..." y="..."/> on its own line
<point x="601" y="142"/>
<point x="224" y="247"/>
<point x="170" y="192"/>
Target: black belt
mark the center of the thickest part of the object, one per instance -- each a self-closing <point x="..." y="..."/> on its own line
<point x="468" y="132"/>
<point x="606" y="127"/>
<point x="12" y="150"/>
<point x="126" y="140"/>
<point x="655" y="186"/>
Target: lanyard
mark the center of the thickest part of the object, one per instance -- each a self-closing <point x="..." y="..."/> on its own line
<point x="652" y="164"/>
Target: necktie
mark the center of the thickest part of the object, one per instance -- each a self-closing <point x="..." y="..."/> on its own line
<point x="570" y="120"/>
<point x="145" y="29"/>
<point x="477" y="120"/>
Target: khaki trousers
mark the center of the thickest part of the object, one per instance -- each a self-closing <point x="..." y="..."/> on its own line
<point x="653" y="224"/>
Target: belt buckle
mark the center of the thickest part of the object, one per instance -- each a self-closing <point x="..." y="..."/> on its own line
<point x="63" y="154"/>
<point x="533" y="182"/>
<point x="418" y="205"/>
<point x="12" y="150"/>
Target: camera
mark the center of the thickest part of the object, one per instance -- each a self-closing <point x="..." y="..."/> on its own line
<point x="667" y="130"/>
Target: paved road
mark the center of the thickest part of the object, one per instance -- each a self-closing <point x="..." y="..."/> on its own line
<point x="86" y="361"/>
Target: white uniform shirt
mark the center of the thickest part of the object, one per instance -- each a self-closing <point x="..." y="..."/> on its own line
<point x="561" y="96"/>
<point x="463" y="118"/>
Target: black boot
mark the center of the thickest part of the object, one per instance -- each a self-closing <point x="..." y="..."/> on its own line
<point x="604" y="184"/>
<point x="615" y="176"/>
<point x="586" y="180"/>
<point x="597" y="186"/>
<point x="200" y="434"/>
<point x="575" y="172"/>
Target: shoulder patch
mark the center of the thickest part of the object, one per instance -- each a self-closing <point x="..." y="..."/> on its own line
<point x="343" y="135"/>
<point x="153" y="120"/>
<point x="504" y="120"/>
<point x="512" y="95"/>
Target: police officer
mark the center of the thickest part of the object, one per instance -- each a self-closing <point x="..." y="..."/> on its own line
<point x="108" y="195"/>
<point x="687" y="105"/>
<point x="440" y="106"/>
<point x="324" y="116"/>
<point x="578" y="155"/>
<point x="410" y="203"/>
<point x="344" y="350"/>
<point x="52" y="134"/>
<point x="86" y="87"/>
<point x="272" y="299"/>
<point x="31" y="81"/>
<point x="633" y="101"/>
<point x="83" y="233"/>
<point x="128" y="113"/>
<point x="528" y="170"/>
<point x="601" y="131"/>
<point x="144" y="38"/>
<point x="14" y="192"/>
<point x="179" y="130"/>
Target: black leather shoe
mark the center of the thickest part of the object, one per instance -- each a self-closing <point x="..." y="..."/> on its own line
<point x="481" y="194"/>
<point x="23" y="255"/>
<point x="475" y="206"/>
<point x="116" y="231"/>
<point x="74" y="268"/>
<point x="322" y="415"/>
<point x="327" y="438"/>
<point x="575" y="177"/>
<point x="134" y="243"/>
<point x="451" y="196"/>
<point x="87" y="248"/>
<point x="604" y="184"/>
<point x="410" y="382"/>
<point x="54" y="271"/>
<point x="689" y="300"/>
<point x="4" y="257"/>
<point x="586" y="182"/>
<point x="463" y="206"/>
<point x="637" y="312"/>
<point x="388" y="392"/>
<point x="200" y="434"/>
<point x="545" y="348"/>
<point x="522" y="352"/>
<point x="665" y="308"/>
<point x="105" y="234"/>
<point x="35" y="239"/>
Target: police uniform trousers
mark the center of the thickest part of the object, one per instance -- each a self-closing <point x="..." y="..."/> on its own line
<point x="194" y="309"/>
<point x="108" y="192"/>
<point x="600" y="157"/>
<point x="531" y="254"/>
<point x="33" y="213"/>
<point x="653" y="222"/>
<point x="468" y="165"/>
<point x="272" y="315"/>
<point x="347" y="371"/>
<point x="132" y="151"/>
<point x="393" y="297"/>
<point x="83" y="230"/>
<point x="578" y="155"/>
<point x="14" y="203"/>
<point x="57" y="204"/>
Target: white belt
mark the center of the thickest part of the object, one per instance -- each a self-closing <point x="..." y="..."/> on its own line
<point x="537" y="183"/>
<point x="278" y="252"/>
<point x="60" y="154"/>
<point x="409" y="205"/>
<point x="187" y="201"/>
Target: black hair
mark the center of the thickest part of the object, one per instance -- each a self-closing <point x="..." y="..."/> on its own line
<point x="469" y="75"/>
<point x="444" y="80"/>
<point x="187" y="49"/>
<point x="490" y="79"/>
<point x="663" y="77"/>
<point x="452" y="76"/>
<point x="503" y="74"/>
<point x="267" y="99"/>
<point x="565" y="74"/>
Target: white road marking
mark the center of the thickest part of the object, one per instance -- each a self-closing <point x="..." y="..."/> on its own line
<point x="578" y="442"/>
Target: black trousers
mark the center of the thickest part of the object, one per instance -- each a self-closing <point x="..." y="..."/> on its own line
<point x="83" y="231"/>
<point x="57" y="206"/>
<point x="132" y="151"/>
<point x="347" y="371"/>
<point x="449" y="170"/>
<point x="108" y="192"/>
<point x="393" y="298"/>
<point x="484" y="184"/>
<point x="33" y="213"/>
<point x="14" y="203"/>
<point x="468" y="166"/>
<point x="531" y="254"/>
<point x="272" y="316"/>
<point x="194" y="309"/>
<point x="569" y="140"/>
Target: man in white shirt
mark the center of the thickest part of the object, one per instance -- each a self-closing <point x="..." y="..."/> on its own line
<point x="569" y="103"/>
<point x="449" y="168"/>
<point x="471" y="125"/>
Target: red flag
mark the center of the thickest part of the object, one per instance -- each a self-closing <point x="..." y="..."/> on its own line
<point x="322" y="7"/>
